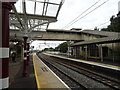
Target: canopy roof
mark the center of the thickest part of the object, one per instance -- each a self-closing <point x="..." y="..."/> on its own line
<point x="28" y="15"/>
<point x="111" y="39"/>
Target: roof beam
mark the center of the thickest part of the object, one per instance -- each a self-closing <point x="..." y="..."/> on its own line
<point x="59" y="9"/>
<point x="45" y="2"/>
<point x="40" y="17"/>
<point x="37" y="26"/>
<point x="17" y="15"/>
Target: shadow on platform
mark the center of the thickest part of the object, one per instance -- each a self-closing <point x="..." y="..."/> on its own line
<point x="16" y="78"/>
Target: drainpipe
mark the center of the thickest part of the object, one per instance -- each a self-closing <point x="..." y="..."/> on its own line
<point x="113" y="52"/>
<point x="80" y="51"/>
<point x="101" y="52"/>
<point x="76" y="52"/>
<point x="86" y="52"/>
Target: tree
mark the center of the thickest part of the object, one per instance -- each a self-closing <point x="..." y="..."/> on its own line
<point x="63" y="47"/>
<point x="114" y="25"/>
<point x="48" y="49"/>
<point x="112" y="18"/>
<point x="96" y="28"/>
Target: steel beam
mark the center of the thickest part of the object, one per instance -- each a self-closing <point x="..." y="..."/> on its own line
<point x="40" y="17"/>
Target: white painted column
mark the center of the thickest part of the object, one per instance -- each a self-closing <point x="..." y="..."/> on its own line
<point x="5" y="7"/>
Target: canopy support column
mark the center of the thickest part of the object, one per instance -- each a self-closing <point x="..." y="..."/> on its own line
<point x="25" y="57"/>
<point x="5" y="7"/>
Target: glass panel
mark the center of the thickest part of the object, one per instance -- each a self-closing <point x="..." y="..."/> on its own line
<point x="18" y="6"/>
<point x="39" y="8"/>
<point x="30" y="7"/>
<point x="52" y="10"/>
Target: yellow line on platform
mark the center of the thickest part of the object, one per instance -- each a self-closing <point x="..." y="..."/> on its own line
<point x="36" y="76"/>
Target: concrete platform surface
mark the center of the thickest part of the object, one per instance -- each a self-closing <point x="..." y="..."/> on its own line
<point x="45" y="77"/>
<point x="16" y="78"/>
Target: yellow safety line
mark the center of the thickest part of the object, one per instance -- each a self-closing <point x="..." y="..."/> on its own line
<point x="36" y="76"/>
<point x="83" y="60"/>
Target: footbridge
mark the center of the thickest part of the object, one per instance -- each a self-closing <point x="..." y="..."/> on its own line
<point x="49" y="34"/>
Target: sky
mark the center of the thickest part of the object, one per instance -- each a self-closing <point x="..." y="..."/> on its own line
<point x="73" y="8"/>
<point x="40" y="45"/>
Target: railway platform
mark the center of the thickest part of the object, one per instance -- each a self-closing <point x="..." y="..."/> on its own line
<point x="45" y="77"/>
<point x="16" y="78"/>
<point x="39" y="76"/>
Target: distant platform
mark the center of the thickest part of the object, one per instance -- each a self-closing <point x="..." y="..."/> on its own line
<point x="117" y="68"/>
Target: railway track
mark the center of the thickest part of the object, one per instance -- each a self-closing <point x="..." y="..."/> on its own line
<point x="112" y="83"/>
<point x="73" y="80"/>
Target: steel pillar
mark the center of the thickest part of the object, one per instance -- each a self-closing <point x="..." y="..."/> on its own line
<point x="25" y="73"/>
<point x="4" y="45"/>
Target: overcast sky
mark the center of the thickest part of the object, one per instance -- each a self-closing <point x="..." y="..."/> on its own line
<point x="73" y="8"/>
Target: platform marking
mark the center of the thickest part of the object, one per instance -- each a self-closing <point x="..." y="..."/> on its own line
<point x="36" y="76"/>
<point x="54" y="74"/>
<point x="89" y="62"/>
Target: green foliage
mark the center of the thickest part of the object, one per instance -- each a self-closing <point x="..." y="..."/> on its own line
<point x="114" y="26"/>
<point x="63" y="47"/>
<point x="48" y="49"/>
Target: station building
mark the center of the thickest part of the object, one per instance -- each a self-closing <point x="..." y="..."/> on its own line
<point x="99" y="45"/>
